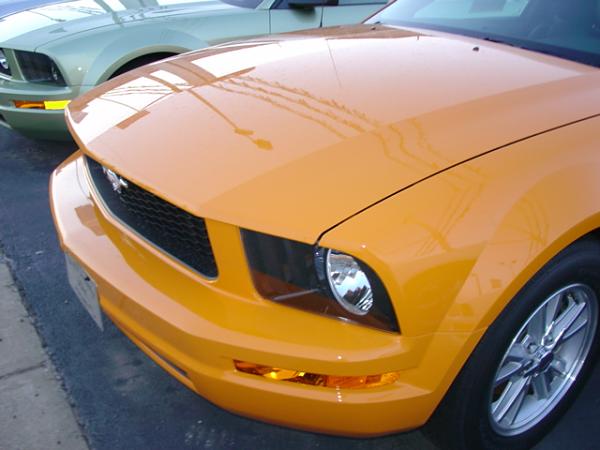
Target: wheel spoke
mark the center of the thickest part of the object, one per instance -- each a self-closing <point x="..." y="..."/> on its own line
<point x="541" y="385"/>
<point x="550" y="309"/>
<point x="557" y="367"/>
<point x="536" y="327"/>
<point x="507" y="371"/>
<point x="574" y="330"/>
<point x="517" y="353"/>
<point x="508" y="405"/>
<point x="566" y="320"/>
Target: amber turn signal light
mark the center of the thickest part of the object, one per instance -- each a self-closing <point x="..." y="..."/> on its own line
<point x="314" y="379"/>
<point x="42" y="104"/>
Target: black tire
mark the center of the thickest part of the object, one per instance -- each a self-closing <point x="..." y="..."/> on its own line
<point x="463" y="420"/>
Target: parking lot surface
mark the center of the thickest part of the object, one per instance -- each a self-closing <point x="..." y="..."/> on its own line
<point x="122" y="399"/>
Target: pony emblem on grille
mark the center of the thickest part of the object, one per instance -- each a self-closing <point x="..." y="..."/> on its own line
<point x="117" y="183"/>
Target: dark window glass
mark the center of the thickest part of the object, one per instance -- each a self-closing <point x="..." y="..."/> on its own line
<point x="250" y="4"/>
<point x="565" y="28"/>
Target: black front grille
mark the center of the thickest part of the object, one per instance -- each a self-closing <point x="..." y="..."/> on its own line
<point x="168" y="227"/>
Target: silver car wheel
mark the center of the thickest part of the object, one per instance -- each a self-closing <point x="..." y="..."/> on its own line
<point x="543" y="360"/>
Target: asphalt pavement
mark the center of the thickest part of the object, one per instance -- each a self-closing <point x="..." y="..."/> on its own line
<point x="121" y="399"/>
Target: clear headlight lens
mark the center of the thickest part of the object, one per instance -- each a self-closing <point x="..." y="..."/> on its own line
<point x="4" y="67"/>
<point x="319" y="280"/>
<point x="349" y="283"/>
<point x="39" y="68"/>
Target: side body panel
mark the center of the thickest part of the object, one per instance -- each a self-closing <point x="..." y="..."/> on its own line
<point x="92" y="57"/>
<point x="455" y="249"/>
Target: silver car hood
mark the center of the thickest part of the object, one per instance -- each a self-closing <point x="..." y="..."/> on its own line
<point x="29" y="29"/>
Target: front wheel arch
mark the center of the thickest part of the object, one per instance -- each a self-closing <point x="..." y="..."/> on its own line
<point x="461" y="419"/>
<point x="139" y="61"/>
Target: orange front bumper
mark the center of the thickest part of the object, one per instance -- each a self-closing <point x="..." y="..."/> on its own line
<point x="195" y="328"/>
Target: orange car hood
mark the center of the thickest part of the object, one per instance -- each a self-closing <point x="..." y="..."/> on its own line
<point x="294" y="134"/>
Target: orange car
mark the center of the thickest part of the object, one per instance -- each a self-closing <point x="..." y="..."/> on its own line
<point x="360" y="229"/>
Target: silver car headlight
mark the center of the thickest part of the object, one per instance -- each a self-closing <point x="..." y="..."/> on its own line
<point x="349" y="283"/>
<point x="4" y="67"/>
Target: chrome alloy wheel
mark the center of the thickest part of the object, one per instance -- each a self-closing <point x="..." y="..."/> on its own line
<point x="543" y="360"/>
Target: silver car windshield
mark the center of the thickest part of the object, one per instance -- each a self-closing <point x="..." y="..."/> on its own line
<point x="251" y="4"/>
<point x="566" y="28"/>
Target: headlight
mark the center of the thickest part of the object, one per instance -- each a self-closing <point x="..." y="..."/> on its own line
<point x="39" y="68"/>
<point x="319" y="280"/>
<point x="4" y="67"/>
<point x="349" y="283"/>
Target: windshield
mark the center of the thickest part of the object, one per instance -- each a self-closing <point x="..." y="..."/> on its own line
<point x="252" y="4"/>
<point x="565" y="28"/>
